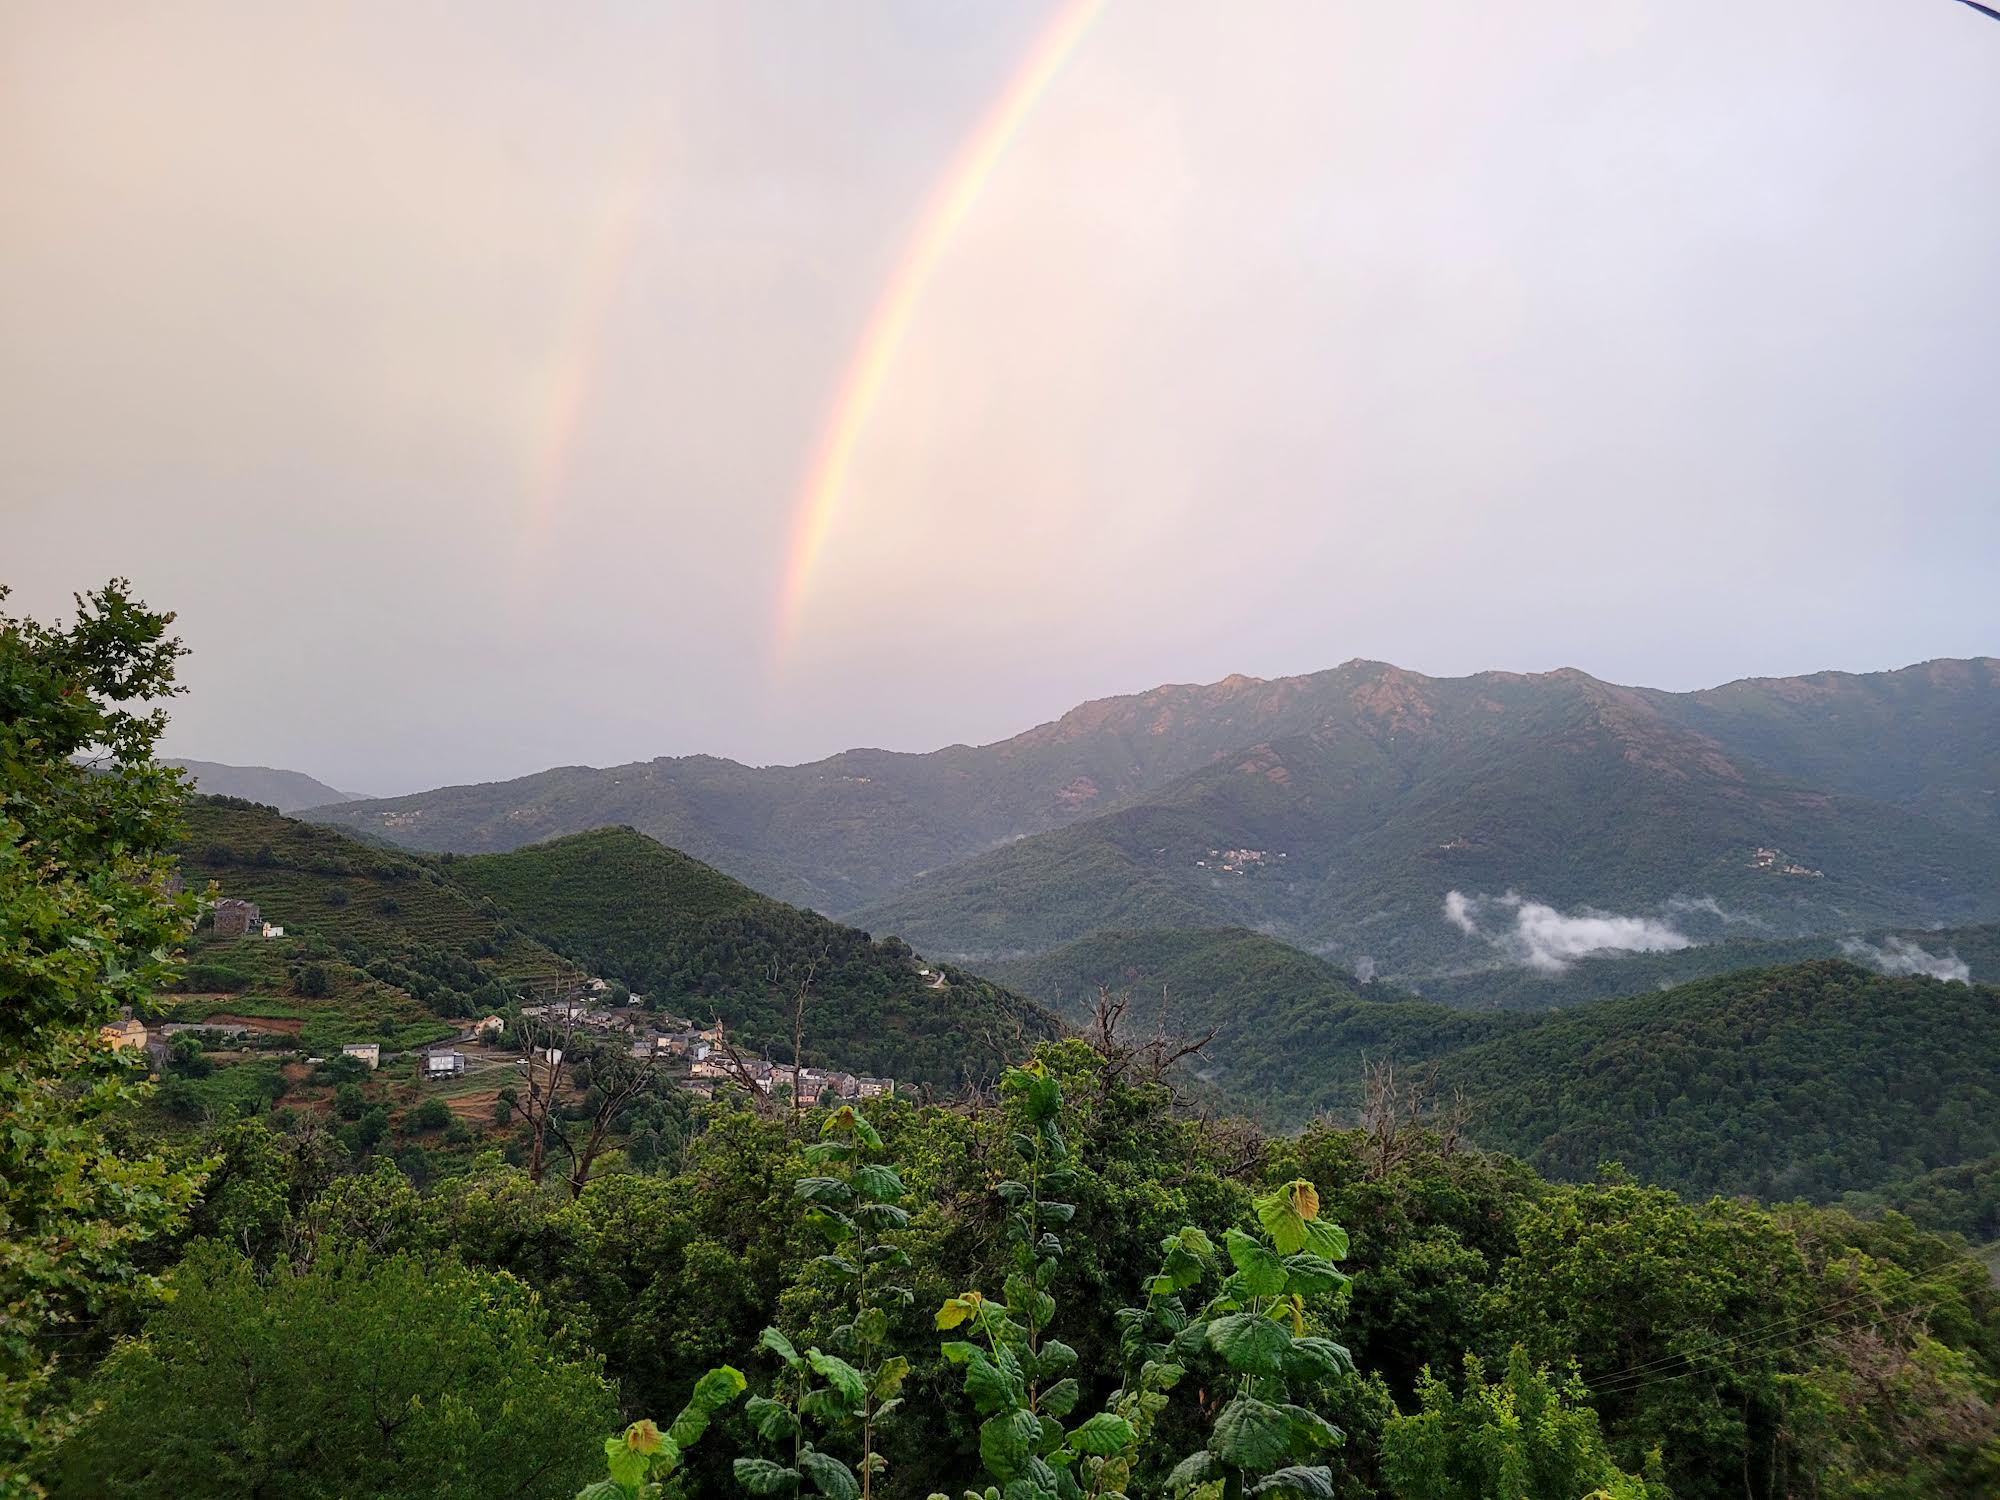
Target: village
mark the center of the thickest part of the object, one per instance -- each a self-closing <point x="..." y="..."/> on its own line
<point x="698" y="1058"/>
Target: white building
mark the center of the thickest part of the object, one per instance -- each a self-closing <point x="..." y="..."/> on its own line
<point x="368" y="1052"/>
<point x="443" y="1064"/>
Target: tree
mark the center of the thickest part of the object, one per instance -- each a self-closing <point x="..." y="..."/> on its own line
<point x="88" y="921"/>
<point x="362" y="1375"/>
<point x="1528" y="1436"/>
<point x="432" y="1114"/>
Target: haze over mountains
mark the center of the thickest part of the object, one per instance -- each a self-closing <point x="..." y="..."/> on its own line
<point x="1341" y="810"/>
<point x="288" y="791"/>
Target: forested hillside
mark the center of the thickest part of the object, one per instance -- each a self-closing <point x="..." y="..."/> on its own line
<point x="1292" y="1034"/>
<point x="692" y="940"/>
<point x="1808" y="1081"/>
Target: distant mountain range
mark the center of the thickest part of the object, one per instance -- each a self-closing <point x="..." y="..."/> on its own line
<point x="1340" y="811"/>
<point x="288" y="791"/>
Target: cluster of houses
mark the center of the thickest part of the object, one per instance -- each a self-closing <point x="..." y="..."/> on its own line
<point x="1236" y="861"/>
<point x="1767" y="859"/>
<point x="701" y="1051"/>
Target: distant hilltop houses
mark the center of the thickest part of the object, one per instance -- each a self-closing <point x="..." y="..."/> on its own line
<point x="235" y="917"/>
<point x="1774" y="860"/>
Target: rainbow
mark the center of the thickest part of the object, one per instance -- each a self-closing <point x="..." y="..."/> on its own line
<point x="592" y="299"/>
<point x="861" y="386"/>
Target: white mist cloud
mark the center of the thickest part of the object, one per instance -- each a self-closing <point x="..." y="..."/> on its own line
<point x="1901" y="958"/>
<point x="1539" y="937"/>
<point x="1364" y="969"/>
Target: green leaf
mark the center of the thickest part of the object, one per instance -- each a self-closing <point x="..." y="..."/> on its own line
<point x="1012" y="1193"/>
<point x="1259" y="1272"/>
<point x="1282" y="1222"/>
<point x="1251" y="1434"/>
<point x="1307" y="1483"/>
<point x="1317" y="1358"/>
<point x="604" y="1489"/>
<point x="1006" y="1441"/>
<point x="1323" y="1237"/>
<point x="1250" y="1342"/>
<point x="1060" y="1399"/>
<point x="1104" y="1434"/>
<point x="889" y="1377"/>
<point x="1310" y="1427"/>
<point x="881" y="1216"/>
<point x="1058" y="1213"/>
<point x="762" y="1477"/>
<point x="830" y="1190"/>
<point x="714" y="1390"/>
<point x="772" y="1419"/>
<point x="628" y="1466"/>
<point x="1310" y="1275"/>
<point x="1055" y="1357"/>
<point x="878" y="1183"/>
<point x="993" y="1386"/>
<point x="839" y="1374"/>
<point x="779" y="1345"/>
<point x="1196" y="1468"/>
<point x="829" y="1475"/>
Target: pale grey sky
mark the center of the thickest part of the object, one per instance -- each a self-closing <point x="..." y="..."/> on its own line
<point x="456" y="370"/>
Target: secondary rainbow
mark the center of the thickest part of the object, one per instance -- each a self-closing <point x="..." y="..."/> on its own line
<point x="867" y="374"/>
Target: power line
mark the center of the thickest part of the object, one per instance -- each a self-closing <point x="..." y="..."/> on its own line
<point x="1637" y="1377"/>
<point x="1984" y="10"/>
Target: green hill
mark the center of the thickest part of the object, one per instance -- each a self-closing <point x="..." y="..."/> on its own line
<point x="383" y="911"/>
<point x="694" y="941"/>
<point x="1807" y="1081"/>
<point x="1291" y="1031"/>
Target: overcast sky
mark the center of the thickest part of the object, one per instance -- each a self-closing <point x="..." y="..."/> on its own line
<point x="455" y="369"/>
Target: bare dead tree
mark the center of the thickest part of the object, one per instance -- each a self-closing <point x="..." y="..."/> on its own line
<point x="1156" y="1060"/>
<point x="547" y="1039"/>
<point x="619" y="1079"/>
<point x="1402" y="1113"/>
<point x="799" y="1042"/>
<point x="739" y="1072"/>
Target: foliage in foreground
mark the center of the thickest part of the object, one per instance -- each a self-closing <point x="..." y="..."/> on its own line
<point x="86" y="924"/>
<point x="359" y="1375"/>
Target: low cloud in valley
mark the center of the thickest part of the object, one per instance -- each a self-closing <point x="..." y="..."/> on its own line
<point x="1539" y="937"/>
<point x="1901" y="958"/>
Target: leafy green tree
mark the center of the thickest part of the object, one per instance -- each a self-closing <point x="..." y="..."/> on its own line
<point x="88" y="923"/>
<point x="432" y="1114"/>
<point x="850" y="1391"/>
<point x="359" y="1376"/>
<point x="1527" y="1436"/>
<point x="187" y="1058"/>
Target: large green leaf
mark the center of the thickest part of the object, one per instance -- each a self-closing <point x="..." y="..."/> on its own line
<point x="889" y="1377"/>
<point x="881" y="1216"/>
<point x="1311" y="1427"/>
<point x="1326" y="1238"/>
<point x="1282" y="1222"/>
<point x="1196" y="1468"/>
<point x="762" y="1477"/>
<point x="779" y="1345"/>
<point x="1060" y="1399"/>
<point x="993" y="1385"/>
<point x="1307" y="1483"/>
<point x="714" y="1390"/>
<point x="1317" y="1358"/>
<point x="1310" y="1275"/>
<point x="829" y="1475"/>
<point x="1104" y="1434"/>
<point x="878" y="1183"/>
<point x="1055" y="1357"/>
<point x="1251" y="1434"/>
<point x="829" y="1190"/>
<point x="1006" y="1441"/>
<point x="772" y="1419"/>
<point x="628" y="1466"/>
<point x="839" y="1374"/>
<point x="1250" y="1342"/>
<point x="1259" y="1272"/>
